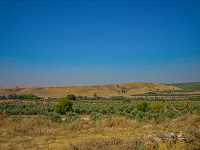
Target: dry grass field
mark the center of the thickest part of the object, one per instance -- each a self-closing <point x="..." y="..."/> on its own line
<point x="115" y="133"/>
<point x="104" y="90"/>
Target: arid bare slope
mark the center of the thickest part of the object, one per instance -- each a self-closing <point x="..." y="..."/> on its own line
<point x="105" y="90"/>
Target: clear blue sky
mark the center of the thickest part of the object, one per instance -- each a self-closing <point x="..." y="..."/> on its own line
<point x="79" y="43"/>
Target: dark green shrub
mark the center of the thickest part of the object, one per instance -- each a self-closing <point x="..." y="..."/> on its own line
<point x="78" y="111"/>
<point x="171" y="114"/>
<point x="63" y="106"/>
<point x="71" y="97"/>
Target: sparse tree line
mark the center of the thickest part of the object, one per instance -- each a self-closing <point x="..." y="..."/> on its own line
<point x="20" y="97"/>
<point x="94" y="97"/>
<point x="34" y="97"/>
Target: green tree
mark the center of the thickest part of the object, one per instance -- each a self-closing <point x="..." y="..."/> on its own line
<point x="63" y="106"/>
<point x="71" y="97"/>
<point x="143" y="106"/>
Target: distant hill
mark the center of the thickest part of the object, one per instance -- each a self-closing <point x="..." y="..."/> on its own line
<point x="187" y="87"/>
<point x="104" y="90"/>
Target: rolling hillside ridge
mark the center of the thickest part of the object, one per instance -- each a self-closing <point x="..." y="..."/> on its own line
<point x="104" y="90"/>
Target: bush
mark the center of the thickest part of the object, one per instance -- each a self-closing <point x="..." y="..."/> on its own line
<point x="63" y="106"/>
<point x="171" y="114"/>
<point x="156" y="106"/>
<point x="143" y="106"/>
<point x="96" y="116"/>
<point x="71" y="116"/>
<point x="140" y="115"/>
<point x="71" y="97"/>
<point x="55" y="117"/>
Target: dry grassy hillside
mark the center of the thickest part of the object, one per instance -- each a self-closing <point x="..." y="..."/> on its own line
<point x="105" y="90"/>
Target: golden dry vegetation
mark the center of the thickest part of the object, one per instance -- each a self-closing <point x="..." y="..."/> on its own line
<point x="115" y="133"/>
<point x="104" y="90"/>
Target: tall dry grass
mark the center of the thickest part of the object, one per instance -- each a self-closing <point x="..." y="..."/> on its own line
<point x="115" y="133"/>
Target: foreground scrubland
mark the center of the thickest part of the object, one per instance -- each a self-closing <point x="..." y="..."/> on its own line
<point x="105" y="124"/>
<point x="109" y="133"/>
